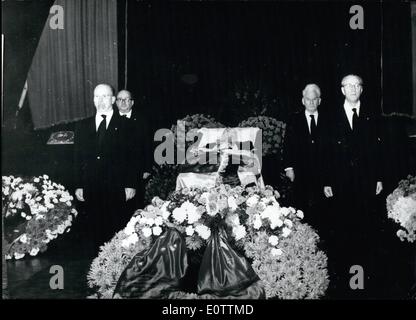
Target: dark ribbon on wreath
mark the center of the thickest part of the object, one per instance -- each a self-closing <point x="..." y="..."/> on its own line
<point x="163" y="270"/>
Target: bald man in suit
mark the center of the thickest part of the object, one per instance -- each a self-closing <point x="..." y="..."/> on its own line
<point x="102" y="154"/>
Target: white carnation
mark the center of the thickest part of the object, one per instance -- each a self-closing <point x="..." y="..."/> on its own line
<point x="252" y="201"/>
<point x="159" y="221"/>
<point x="276" y="252"/>
<point x="232" y="203"/>
<point x="203" y="231"/>
<point x="179" y="215"/>
<point x="157" y="230"/>
<point x="257" y="222"/>
<point x="147" y="232"/>
<point x="189" y="230"/>
<point x="34" y="251"/>
<point x="288" y="222"/>
<point x="273" y="240"/>
<point x="239" y="232"/>
<point x="286" y="232"/>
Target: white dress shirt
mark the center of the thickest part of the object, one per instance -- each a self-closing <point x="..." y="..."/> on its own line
<point x="128" y="114"/>
<point x="99" y="118"/>
<point x="348" y="110"/>
<point x="308" y="118"/>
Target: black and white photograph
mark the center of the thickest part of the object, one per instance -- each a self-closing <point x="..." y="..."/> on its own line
<point x="236" y="151"/>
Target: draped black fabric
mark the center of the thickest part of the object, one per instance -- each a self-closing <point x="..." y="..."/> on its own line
<point x="161" y="270"/>
<point x="154" y="273"/>
<point x="226" y="274"/>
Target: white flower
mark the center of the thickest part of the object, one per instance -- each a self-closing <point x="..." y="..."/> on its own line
<point x="130" y="228"/>
<point x="189" y="230"/>
<point x="132" y="239"/>
<point x="212" y="208"/>
<point x="285" y="211"/>
<point x="239" y="232"/>
<point x="257" y="222"/>
<point x="147" y="232"/>
<point x="55" y="200"/>
<point x="23" y="214"/>
<point x="49" y="206"/>
<point x="8" y="257"/>
<point x="179" y="214"/>
<point x="203" y="231"/>
<point x="288" y="222"/>
<point x="45" y="176"/>
<point x="300" y="214"/>
<point x="157" y="230"/>
<point x="276" y="252"/>
<point x="232" y="203"/>
<point x="18" y="256"/>
<point x="34" y="251"/>
<point x="28" y="217"/>
<point x="286" y="232"/>
<point x="164" y="209"/>
<point x="273" y="240"/>
<point x="158" y="221"/>
<point x="150" y="221"/>
<point x="23" y="238"/>
<point x="253" y="200"/>
<point x="275" y="222"/>
<point x="60" y="229"/>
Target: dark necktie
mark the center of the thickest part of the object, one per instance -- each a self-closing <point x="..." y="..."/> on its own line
<point x="313" y="125"/>
<point x="354" y="119"/>
<point x="101" y="130"/>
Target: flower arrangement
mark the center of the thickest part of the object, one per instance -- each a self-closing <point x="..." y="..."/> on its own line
<point x="36" y="210"/>
<point x="401" y="207"/>
<point x="272" y="236"/>
<point x="273" y="132"/>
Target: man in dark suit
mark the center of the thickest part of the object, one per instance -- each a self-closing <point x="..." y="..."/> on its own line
<point x="142" y="143"/>
<point x="354" y="178"/>
<point x="102" y="156"/>
<point x="302" y="157"/>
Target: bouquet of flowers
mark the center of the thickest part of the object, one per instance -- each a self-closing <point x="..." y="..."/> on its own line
<point x="36" y="210"/>
<point x="273" y="132"/>
<point x="271" y="236"/>
<point x="401" y="207"/>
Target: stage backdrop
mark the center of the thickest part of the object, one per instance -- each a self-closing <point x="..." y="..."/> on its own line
<point x="70" y="62"/>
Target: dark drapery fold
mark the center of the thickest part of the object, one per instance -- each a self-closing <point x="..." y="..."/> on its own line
<point x="154" y="273"/>
<point x="226" y="274"/>
<point x="70" y="62"/>
<point x="163" y="270"/>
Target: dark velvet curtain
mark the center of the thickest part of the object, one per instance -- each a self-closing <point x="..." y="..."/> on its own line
<point x="69" y="63"/>
<point x="186" y="58"/>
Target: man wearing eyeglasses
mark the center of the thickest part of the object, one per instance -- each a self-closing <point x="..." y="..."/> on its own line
<point x="102" y="154"/>
<point x="142" y="141"/>
<point x="354" y="180"/>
